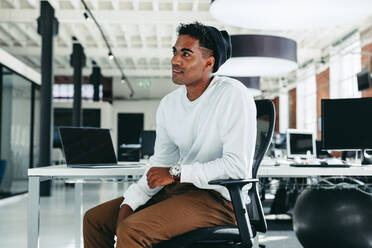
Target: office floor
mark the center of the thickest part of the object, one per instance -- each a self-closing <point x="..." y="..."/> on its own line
<point x="57" y="217"/>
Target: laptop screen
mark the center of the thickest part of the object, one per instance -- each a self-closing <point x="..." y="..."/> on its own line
<point x="87" y="145"/>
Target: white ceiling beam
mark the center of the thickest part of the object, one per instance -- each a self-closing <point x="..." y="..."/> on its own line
<point x="174" y="34"/>
<point x="31" y="31"/>
<point x="115" y="4"/>
<point x="6" y="38"/>
<point x="158" y="35"/>
<point x="111" y="16"/>
<point x="75" y="4"/>
<point x="54" y="3"/>
<point x="94" y="4"/>
<point x="14" y="3"/>
<point x="195" y="5"/>
<point x="60" y="62"/>
<point x="79" y="35"/>
<point x="116" y="73"/>
<point x="14" y="33"/>
<point x="93" y="31"/>
<point x="175" y="5"/>
<point x="111" y="35"/>
<point x="126" y="36"/>
<point x="135" y="4"/>
<point x="162" y="53"/>
<point x="65" y="36"/>
<point x="155" y="5"/>
<point x="141" y="30"/>
<point x="35" y="60"/>
<point x="32" y="3"/>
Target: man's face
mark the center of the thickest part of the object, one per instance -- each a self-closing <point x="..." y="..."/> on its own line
<point x="190" y="63"/>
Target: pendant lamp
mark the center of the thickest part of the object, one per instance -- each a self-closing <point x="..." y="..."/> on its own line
<point x="260" y="55"/>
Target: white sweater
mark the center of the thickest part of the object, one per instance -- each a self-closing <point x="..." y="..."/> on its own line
<point x="212" y="137"/>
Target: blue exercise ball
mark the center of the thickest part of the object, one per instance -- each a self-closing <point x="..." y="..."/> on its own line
<point x="339" y="218"/>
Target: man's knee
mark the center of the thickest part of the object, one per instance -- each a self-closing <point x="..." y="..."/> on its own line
<point x="90" y="217"/>
<point x="128" y="234"/>
<point x="124" y="230"/>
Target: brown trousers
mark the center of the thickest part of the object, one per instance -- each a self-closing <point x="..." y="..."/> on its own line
<point x="178" y="208"/>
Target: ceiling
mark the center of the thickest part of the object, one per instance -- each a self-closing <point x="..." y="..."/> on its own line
<point x="141" y="34"/>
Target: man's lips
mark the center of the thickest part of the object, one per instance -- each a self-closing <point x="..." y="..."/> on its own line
<point x="176" y="71"/>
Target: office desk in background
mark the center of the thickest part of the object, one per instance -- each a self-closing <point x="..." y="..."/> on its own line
<point x="36" y="175"/>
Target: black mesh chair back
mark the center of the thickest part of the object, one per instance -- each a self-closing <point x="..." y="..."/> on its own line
<point x="265" y="129"/>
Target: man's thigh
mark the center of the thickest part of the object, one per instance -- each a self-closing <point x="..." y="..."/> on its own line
<point x="179" y="214"/>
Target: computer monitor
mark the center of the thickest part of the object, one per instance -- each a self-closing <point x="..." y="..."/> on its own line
<point x="364" y="79"/>
<point x="347" y="123"/>
<point x="300" y="144"/>
<point x="147" y="141"/>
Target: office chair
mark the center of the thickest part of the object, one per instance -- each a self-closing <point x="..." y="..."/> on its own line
<point x="250" y="218"/>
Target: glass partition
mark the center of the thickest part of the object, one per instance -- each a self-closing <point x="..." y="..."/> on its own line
<point x="16" y="127"/>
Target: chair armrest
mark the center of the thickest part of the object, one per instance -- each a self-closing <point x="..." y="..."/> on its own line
<point x="241" y="214"/>
<point x="240" y="182"/>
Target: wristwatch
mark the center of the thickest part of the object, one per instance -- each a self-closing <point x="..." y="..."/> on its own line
<point x="175" y="170"/>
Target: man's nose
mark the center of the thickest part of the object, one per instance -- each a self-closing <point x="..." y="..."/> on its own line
<point x="176" y="60"/>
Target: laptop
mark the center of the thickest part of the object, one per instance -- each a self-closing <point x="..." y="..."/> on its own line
<point x="85" y="147"/>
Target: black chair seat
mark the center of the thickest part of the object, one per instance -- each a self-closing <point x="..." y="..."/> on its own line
<point x="214" y="235"/>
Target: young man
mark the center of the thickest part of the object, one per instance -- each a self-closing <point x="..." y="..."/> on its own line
<point x="205" y="130"/>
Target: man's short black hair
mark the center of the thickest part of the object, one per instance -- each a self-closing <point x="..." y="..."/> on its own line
<point x="197" y="31"/>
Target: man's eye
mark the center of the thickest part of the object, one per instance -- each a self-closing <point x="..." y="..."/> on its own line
<point x="185" y="54"/>
<point x="174" y="52"/>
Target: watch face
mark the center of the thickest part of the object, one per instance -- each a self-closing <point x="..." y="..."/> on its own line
<point x="175" y="170"/>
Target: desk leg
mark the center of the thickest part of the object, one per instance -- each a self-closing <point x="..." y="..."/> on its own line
<point x="78" y="213"/>
<point x="255" y="242"/>
<point x="33" y="220"/>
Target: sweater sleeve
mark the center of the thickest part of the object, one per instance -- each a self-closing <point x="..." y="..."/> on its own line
<point x="237" y="129"/>
<point x="166" y="154"/>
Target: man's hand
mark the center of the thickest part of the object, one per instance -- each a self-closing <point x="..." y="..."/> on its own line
<point x="159" y="176"/>
<point x="124" y="212"/>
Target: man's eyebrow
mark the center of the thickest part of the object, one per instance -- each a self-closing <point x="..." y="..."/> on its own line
<point x="183" y="50"/>
<point x="187" y="50"/>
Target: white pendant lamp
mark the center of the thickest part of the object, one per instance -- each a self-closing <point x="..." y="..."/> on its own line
<point x="260" y="55"/>
<point x="289" y="14"/>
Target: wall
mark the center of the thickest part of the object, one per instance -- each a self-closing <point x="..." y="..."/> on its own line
<point x="148" y="107"/>
<point x="292" y="108"/>
<point x="322" y="92"/>
<point x="109" y="113"/>
<point x="106" y="110"/>
<point x="367" y="61"/>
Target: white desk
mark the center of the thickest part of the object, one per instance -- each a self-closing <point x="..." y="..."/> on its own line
<point x="37" y="175"/>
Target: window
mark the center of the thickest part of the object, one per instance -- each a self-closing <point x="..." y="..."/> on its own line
<point x="345" y="63"/>
<point x="306" y="99"/>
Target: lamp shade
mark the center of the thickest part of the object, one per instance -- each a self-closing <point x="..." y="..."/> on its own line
<point x="260" y="55"/>
<point x="252" y="84"/>
<point x="289" y="14"/>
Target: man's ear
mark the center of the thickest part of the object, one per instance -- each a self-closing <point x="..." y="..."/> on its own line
<point x="210" y="63"/>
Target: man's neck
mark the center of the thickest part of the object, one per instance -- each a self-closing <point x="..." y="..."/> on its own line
<point x="196" y="90"/>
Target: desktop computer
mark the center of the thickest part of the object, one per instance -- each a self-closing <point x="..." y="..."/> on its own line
<point x="300" y="144"/>
<point x="347" y="125"/>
